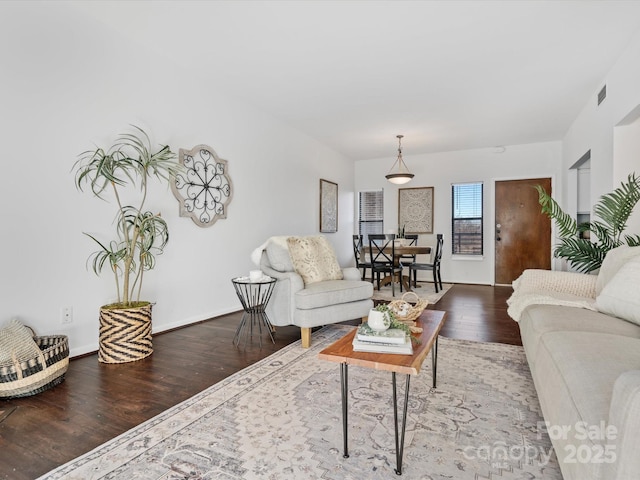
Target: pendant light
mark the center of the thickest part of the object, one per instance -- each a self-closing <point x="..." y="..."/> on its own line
<point x="401" y="174"/>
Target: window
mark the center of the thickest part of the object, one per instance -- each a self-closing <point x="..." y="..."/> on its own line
<point x="370" y="213"/>
<point x="466" y="220"/>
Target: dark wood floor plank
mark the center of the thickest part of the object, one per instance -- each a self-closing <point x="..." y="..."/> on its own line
<point x="97" y="402"/>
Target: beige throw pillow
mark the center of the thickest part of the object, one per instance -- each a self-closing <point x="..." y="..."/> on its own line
<point x="313" y="259"/>
<point x="612" y="262"/>
<point x="620" y="296"/>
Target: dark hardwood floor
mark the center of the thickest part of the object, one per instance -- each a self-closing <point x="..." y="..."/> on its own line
<point x="97" y="402"/>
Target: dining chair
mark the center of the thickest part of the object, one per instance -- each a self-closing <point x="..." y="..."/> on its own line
<point x="412" y="240"/>
<point x="382" y="251"/>
<point x="434" y="266"/>
<point x="360" y="257"/>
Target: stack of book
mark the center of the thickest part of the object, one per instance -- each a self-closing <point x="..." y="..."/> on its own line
<point x="392" y="340"/>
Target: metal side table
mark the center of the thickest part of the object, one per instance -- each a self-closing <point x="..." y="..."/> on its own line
<point x="254" y="297"/>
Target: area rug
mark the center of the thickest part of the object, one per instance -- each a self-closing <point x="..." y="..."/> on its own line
<point x="281" y="419"/>
<point x="424" y="290"/>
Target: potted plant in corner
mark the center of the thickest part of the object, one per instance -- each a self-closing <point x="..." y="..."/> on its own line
<point x="586" y="254"/>
<point x="139" y="236"/>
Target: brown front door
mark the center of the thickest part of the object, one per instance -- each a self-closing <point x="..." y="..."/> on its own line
<point x="522" y="232"/>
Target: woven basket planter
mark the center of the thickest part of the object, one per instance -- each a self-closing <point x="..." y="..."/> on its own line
<point x="37" y="374"/>
<point x="125" y="334"/>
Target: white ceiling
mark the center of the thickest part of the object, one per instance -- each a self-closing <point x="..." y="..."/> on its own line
<point x="449" y="75"/>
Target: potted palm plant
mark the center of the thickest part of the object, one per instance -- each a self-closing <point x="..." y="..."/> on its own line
<point x="140" y="235"/>
<point x="586" y="254"/>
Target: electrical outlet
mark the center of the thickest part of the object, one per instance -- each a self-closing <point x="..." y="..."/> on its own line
<point x="66" y="314"/>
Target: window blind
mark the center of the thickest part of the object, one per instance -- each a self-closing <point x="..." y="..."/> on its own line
<point x="371" y="213"/>
<point x="466" y="221"/>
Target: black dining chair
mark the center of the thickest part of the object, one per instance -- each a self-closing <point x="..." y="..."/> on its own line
<point x="410" y="240"/>
<point x="435" y="266"/>
<point x="360" y="256"/>
<point x="382" y="250"/>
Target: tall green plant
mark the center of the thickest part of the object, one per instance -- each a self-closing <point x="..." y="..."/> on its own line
<point x="140" y="235"/>
<point x="606" y="232"/>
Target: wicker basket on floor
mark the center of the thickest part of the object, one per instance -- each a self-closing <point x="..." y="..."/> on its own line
<point x="125" y="333"/>
<point x="35" y="375"/>
<point x="411" y="311"/>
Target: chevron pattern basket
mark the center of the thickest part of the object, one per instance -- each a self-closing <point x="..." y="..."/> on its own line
<point x="125" y="334"/>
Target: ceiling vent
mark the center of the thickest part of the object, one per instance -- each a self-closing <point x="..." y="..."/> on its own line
<point x="602" y="94"/>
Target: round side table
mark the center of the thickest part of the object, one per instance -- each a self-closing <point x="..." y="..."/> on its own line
<point x="254" y="297"/>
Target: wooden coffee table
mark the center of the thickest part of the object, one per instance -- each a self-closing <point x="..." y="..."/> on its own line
<point x="342" y="352"/>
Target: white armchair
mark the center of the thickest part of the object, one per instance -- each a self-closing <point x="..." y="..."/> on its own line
<point x="311" y="289"/>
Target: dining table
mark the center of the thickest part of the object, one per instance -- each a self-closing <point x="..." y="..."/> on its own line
<point x="399" y="251"/>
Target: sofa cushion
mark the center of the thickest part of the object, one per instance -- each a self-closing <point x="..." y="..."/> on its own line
<point x="341" y="312"/>
<point x="538" y="320"/>
<point x="575" y="381"/>
<point x="620" y="296"/>
<point x="313" y="259"/>
<point x="589" y="378"/>
<point x="624" y="413"/>
<point x="332" y="292"/>
<point x="278" y="254"/>
<point x="612" y="262"/>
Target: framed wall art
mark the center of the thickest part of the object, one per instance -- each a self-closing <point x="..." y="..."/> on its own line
<point x="204" y="188"/>
<point x="328" y="206"/>
<point x="415" y="209"/>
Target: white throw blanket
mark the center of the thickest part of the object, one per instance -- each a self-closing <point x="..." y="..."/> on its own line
<point x="517" y="303"/>
<point x="256" y="255"/>
<point x="545" y="287"/>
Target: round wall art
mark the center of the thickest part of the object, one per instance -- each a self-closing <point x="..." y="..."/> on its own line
<point x="204" y="188"/>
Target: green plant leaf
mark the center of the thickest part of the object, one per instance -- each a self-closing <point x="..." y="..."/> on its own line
<point x="615" y="208"/>
<point x="606" y="232"/>
<point x="567" y="226"/>
<point x="632" y="240"/>
<point x="140" y="235"/>
<point x="604" y="235"/>
<point x="582" y="254"/>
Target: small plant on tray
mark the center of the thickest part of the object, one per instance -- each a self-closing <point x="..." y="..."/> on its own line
<point x="394" y="323"/>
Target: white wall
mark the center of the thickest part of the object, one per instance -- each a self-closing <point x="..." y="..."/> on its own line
<point x="595" y="128"/>
<point x="66" y="84"/>
<point x="626" y="147"/>
<point x="440" y="170"/>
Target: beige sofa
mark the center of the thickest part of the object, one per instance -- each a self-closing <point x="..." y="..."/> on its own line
<point x="311" y="288"/>
<point x="581" y="335"/>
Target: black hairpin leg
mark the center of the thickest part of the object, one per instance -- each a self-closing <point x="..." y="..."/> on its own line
<point x="344" y="384"/>
<point x="434" y="361"/>
<point x="400" y="436"/>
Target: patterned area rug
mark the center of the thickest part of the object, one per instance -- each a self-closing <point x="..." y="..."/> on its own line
<point x="281" y="419"/>
<point x="424" y="290"/>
